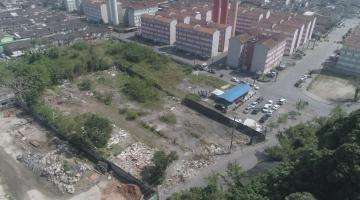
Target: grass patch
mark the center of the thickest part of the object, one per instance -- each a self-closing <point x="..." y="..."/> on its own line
<point x="206" y="80"/>
<point x="168" y="118"/>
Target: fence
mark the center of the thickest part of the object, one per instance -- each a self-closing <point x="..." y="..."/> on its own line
<point x="119" y="173"/>
<point x="255" y="136"/>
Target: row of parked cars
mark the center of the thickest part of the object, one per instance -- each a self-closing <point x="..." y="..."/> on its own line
<point x="268" y="109"/>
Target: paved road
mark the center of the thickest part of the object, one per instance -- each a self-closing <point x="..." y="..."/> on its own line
<point x="248" y="157"/>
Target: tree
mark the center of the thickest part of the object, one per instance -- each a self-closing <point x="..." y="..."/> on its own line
<point x="161" y="162"/>
<point x="97" y="129"/>
<point x="356" y="95"/>
<point x="300" y="196"/>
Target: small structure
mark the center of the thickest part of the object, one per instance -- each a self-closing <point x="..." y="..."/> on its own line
<point x="234" y="95"/>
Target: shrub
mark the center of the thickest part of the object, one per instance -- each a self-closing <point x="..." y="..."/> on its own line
<point x="131" y="115"/>
<point x="85" y="85"/>
<point x="168" y="118"/>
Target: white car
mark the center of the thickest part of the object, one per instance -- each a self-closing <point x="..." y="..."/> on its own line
<point x="282" y="101"/>
<point x="269" y="112"/>
<point x="270" y="102"/>
<point x="265" y="110"/>
<point x="267" y="105"/>
<point x="256" y="87"/>
<point x="275" y="107"/>
<point x="254" y="103"/>
<point x="234" y="79"/>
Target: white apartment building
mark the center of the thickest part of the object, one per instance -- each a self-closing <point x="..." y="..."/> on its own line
<point x="349" y="60"/>
<point x="70" y="5"/>
<point x="247" y="17"/>
<point x="291" y="34"/>
<point x="95" y="11"/>
<point x="196" y="39"/>
<point x="158" y="29"/>
<point x="135" y="10"/>
<point x="268" y="53"/>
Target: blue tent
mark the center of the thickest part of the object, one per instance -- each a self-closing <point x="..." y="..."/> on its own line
<point x="231" y="95"/>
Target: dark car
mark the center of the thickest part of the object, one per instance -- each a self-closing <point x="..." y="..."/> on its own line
<point x="221" y="108"/>
<point x="255" y="111"/>
<point x="260" y="99"/>
<point x="264" y="118"/>
<point x="247" y="110"/>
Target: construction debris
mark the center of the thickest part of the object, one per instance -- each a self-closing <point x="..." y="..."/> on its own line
<point x="134" y="158"/>
<point x="53" y="165"/>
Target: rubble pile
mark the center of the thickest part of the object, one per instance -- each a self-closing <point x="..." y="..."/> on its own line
<point x="185" y="169"/>
<point x="214" y="150"/>
<point x="134" y="158"/>
<point x="118" y="136"/>
<point x="51" y="166"/>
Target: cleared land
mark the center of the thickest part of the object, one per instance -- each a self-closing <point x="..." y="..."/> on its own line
<point x="333" y="87"/>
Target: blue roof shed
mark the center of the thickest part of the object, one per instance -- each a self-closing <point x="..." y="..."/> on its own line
<point x="235" y="93"/>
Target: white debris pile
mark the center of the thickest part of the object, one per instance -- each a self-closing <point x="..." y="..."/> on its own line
<point x="134" y="158"/>
<point x="118" y="136"/>
<point x="185" y="169"/>
<point x="52" y="166"/>
<point x="214" y="150"/>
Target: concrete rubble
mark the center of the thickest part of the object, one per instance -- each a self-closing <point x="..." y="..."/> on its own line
<point x="134" y="158"/>
<point x="185" y="169"/>
<point x="51" y="166"/>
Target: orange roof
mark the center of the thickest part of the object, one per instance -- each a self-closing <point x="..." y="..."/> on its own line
<point x="197" y="28"/>
<point x="157" y="18"/>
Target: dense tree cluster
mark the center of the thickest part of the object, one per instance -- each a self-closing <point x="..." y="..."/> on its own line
<point x="320" y="160"/>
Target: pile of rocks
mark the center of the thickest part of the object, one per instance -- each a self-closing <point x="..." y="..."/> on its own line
<point x="134" y="158"/>
<point x="185" y="169"/>
<point x="52" y="166"/>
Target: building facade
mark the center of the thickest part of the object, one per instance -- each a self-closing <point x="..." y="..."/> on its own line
<point x="95" y="11"/>
<point x="136" y="10"/>
<point x="349" y="60"/>
<point x="70" y="5"/>
<point x="112" y="11"/>
<point x="201" y="41"/>
<point x="158" y="29"/>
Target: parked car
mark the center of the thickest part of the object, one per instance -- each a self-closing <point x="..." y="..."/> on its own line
<point x="256" y="87"/>
<point x="270" y="102"/>
<point x="260" y="99"/>
<point x="264" y="118"/>
<point x="275" y="107"/>
<point x="255" y="111"/>
<point x="282" y="101"/>
<point x="247" y="110"/>
<point x="234" y="79"/>
<point x="221" y="108"/>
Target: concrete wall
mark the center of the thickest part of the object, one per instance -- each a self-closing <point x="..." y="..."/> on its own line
<point x="215" y="44"/>
<point x="173" y="32"/>
<point x="227" y="39"/>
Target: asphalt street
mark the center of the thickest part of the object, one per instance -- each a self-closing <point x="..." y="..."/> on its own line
<point x="249" y="156"/>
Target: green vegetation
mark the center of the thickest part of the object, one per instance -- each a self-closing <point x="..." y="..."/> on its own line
<point x="161" y="162"/>
<point x="206" y="80"/>
<point x="320" y="160"/>
<point x="283" y="118"/>
<point x="301" y="104"/>
<point x="85" y="85"/>
<point x="169" y="118"/>
<point x="193" y="97"/>
<point x="141" y="91"/>
<point x="131" y="115"/>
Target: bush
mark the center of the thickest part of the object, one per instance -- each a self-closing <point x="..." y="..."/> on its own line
<point x="85" y="85"/>
<point x="161" y="162"/>
<point x="168" y="118"/>
<point x="141" y="91"/>
<point x="131" y="115"/>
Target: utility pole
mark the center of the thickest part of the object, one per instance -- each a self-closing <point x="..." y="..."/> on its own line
<point x="232" y="133"/>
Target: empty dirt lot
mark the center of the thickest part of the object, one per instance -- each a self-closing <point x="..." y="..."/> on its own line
<point x="335" y="88"/>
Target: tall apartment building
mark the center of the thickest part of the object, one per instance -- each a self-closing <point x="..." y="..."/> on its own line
<point x="95" y="11"/>
<point x="349" y="60"/>
<point x="268" y="53"/>
<point x="70" y="5"/>
<point x="292" y="35"/>
<point x="247" y="17"/>
<point x="196" y="39"/>
<point x="136" y="9"/>
<point x="112" y="10"/>
<point x="256" y="53"/>
<point x="158" y="29"/>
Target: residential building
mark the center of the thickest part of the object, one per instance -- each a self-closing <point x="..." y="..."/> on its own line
<point x="95" y="11"/>
<point x="291" y="33"/>
<point x="135" y="10"/>
<point x="216" y="13"/>
<point x="196" y="39"/>
<point x="240" y="51"/>
<point x="70" y="5"/>
<point x="268" y="53"/>
<point x="112" y="10"/>
<point x="158" y="29"/>
<point x="247" y="17"/>
<point x="349" y="59"/>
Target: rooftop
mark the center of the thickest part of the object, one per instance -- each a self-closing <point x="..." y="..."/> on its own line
<point x="197" y="28"/>
<point x="235" y="92"/>
<point x="157" y="18"/>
